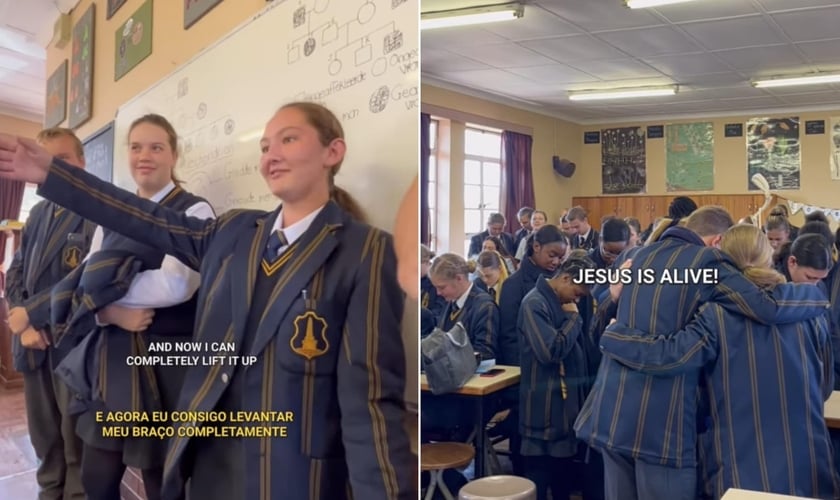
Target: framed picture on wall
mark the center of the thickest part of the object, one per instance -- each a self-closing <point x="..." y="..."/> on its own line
<point x="56" y="106"/>
<point x="81" y="70"/>
<point x="195" y="10"/>
<point x="113" y="7"/>
<point x="133" y="40"/>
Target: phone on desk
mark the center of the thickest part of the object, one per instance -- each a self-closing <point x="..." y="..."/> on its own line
<point x="492" y="372"/>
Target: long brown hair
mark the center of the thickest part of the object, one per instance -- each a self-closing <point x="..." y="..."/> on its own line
<point x="329" y="129"/>
<point x="163" y="124"/>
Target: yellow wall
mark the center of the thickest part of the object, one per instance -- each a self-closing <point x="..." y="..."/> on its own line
<point x="12" y="125"/>
<point x="554" y="193"/>
<point x="171" y="47"/>
<point x="816" y="186"/>
<point x="551" y="137"/>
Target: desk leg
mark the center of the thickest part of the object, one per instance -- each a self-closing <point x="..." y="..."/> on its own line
<point x="480" y="438"/>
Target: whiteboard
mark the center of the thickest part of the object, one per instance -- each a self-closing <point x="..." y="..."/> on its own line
<point x="358" y="57"/>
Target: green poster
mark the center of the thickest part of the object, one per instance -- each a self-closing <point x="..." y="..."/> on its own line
<point x="689" y="157"/>
<point x="133" y="41"/>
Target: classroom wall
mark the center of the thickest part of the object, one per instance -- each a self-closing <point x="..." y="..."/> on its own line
<point x="551" y="137"/>
<point x="730" y="154"/>
<point x="171" y="47"/>
<point x="17" y="126"/>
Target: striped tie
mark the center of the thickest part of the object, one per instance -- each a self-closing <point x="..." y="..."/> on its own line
<point x="276" y="241"/>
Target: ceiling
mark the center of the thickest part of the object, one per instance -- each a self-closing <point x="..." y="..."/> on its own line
<point x="711" y="48"/>
<point x="25" y="29"/>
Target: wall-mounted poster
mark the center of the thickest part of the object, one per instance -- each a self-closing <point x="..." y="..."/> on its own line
<point x="689" y="157"/>
<point x="81" y="70"/>
<point x="623" y="160"/>
<point x="113" y="7"/>
<point x="773" y="151"/>
<point x="195" y="10"/>
<point x="99" y="152"/>
<point x="133" y="40"/>
<point x="56" y="106"/>
<point x="835" y="148"/>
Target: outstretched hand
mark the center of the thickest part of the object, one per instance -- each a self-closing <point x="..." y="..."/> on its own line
<point x="23" y="159"/>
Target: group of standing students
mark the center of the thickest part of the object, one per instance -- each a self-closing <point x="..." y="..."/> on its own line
<point x="161" y="266"/>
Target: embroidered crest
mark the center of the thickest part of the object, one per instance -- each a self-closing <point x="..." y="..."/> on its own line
<point x="72" y="257"/>
<point x="313" y="341"/>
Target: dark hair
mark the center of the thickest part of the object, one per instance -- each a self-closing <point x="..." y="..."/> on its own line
<point x="777" y="222"/>
<point x="817" y="216"/>
<point x="544" y="236"/>
<point x="490" y="259"/>
<point x="811" y="250"/>
<point x="574" y="265"/>
<point x="615" y="230"/>
<point x="525" y="211"/>
<point x="329" y="129"/>
<point x="820" y="228"/>
<point x="780" y="209"/>
<point x="680" y="207"/>
<point x="710" y="220"/>
<point x="576" y="213"/>
<point x="163" y="124"/>
<point x="635" y="224"/>
<point x="499" y="246"/>
<point x="837" y="239"/>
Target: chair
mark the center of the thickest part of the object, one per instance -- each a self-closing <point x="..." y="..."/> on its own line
<point x="437" y="457"/>
<point x="499" y="488"/>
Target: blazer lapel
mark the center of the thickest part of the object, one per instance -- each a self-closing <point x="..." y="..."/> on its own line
<point x="314" y="248"/>
<point x="246" y="269"/>
<point x="55" y="236"/>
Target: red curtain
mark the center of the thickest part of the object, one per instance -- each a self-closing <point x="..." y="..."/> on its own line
<point x="517" y="179"/>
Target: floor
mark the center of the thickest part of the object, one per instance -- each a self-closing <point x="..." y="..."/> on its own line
<point x="17" y="459"/>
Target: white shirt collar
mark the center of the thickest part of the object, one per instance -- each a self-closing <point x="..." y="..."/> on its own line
<point x="163" y="192"/>
<point x="463" y="298"/>
<point x="585" y="236"/>
<point x="296" y="230"/>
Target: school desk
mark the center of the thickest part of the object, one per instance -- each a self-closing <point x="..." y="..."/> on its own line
<point x="832" y="411"/>
<point x="733" y="494"/>
<point x="476" y="391"/>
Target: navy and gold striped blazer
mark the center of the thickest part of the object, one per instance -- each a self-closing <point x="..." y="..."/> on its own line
<point x="51" y="247"/>
<point x="516" y="287"/>
<point x="832" y="283"/>
<point x="644" y="416"/>
<point x="480" y="317"/>
<point x="346" y="396"/>
<point x="762" y="388"/>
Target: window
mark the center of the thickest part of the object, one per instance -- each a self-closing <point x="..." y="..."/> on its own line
<point x="482" y="178"/>
<point x="431" y="184"/>
<point x="30" y="199"/>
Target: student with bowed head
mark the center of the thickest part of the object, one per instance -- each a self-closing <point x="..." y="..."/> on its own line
<point x="309" y="289"/>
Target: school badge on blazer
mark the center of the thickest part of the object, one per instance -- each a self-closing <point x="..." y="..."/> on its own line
<point x="310" y="338"/>
<point x="72" y="257"/>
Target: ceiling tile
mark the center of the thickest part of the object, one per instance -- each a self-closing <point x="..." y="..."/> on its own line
<point x="687" y="64"/>
<point x="713" y="79"/>
<point x="462" y="36"/>
<point x="781" y="5"/>
<point x="553" y="74"/>
<point x="733" y="33"/>
<point x="807" y="25"/>
<point x="649" y="42"/>
<point x="800" y="89"/>
<point x="574" y="48"/>
<point x="812" y="98"/>
<point x="764" y="58"/>
<point x="697" y="11"/>
<point x="437" y="60"/>
<point x="503" y="55"/>
<point x="618" y="69"/>
<point x="598" y="15"/>
<point x="824" y="51"/>
<point x="496" y="80"/>
<point x="535" y="23"/>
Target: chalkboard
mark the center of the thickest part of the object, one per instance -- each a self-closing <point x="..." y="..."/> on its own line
<point x="656" y="131"/>
<point x="814" y="127"/>
<point x="99" y="152"/>
<point x="357" y="57"/>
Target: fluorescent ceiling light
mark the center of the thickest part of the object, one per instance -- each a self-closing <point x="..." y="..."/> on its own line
<point x="593" y="95"/>
<point x="470" y="15"/>
<point x="644" y="4"/>
<point x="798" y="80"/>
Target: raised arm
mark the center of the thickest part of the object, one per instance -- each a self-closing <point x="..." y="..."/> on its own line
<point x="673" y="353"/>
<point x="371" y="381"/>
<point x="175" y="233"/>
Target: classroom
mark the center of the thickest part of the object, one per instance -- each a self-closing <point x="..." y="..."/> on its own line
<point x="591" y="170"/>
<point x="261" y="129"/>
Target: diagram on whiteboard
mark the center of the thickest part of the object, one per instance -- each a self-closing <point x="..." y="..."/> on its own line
<point x="355" y="42"/>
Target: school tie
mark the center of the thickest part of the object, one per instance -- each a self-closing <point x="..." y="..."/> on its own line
<point x="57" y="212"/>
<point x="493" y="293"/>
<point x="454" y="312"/>
<point x="276" y="241"/>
